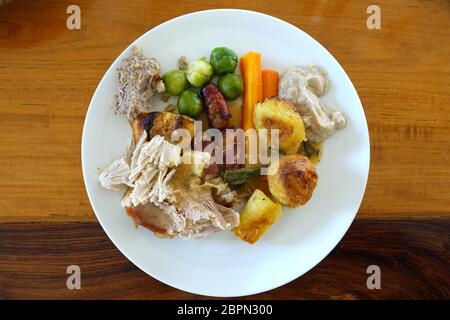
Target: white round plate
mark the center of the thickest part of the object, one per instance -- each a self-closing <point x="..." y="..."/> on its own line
<point x="221" y="264"/>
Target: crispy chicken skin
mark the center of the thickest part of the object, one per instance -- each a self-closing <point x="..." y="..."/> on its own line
<point x="151" y="217"/>
<point x="292" y="180"/>
<point x="160" y="123"/>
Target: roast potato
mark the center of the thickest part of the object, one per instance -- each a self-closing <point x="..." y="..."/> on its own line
<point x="275" y="113"/>
<point x="292" y="180"/>
<point x="257" y="216"/>
<point x="160" y="123"/>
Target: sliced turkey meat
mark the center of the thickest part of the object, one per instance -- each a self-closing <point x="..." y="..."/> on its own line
<point x="116" y="175"/>
<point x="152" y="166"/>
<point x="190" y="209"/>
<point x="169" y="194"/>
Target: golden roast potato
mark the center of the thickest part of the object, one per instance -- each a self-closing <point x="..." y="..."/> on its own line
<point x="275" y="113"/>
<point x="292" y="180"/>
<point x="257" y="216"/>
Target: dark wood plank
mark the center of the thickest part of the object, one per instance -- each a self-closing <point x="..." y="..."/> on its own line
<point x="413" y="256"/>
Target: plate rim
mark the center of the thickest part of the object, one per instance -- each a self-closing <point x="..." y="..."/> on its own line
<point x="206" y="12"/>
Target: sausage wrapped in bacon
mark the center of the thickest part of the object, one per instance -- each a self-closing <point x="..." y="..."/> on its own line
<point x="217" y="109"/>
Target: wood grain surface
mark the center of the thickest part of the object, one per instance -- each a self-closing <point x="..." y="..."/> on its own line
<point x="49" y="73"/>
<point x="413" y="264"/>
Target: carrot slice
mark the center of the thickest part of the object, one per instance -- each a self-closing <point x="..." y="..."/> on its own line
<point x="250" y="65"/>
<point x="269" y="83"/>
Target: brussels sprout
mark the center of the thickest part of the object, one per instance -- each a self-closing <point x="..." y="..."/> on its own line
<point x="190" y="104"/>
<point x="199" y="72"/>
<point x="175" y="82"/>
<point x="231" y="86"/>
<point x="223" y="60"/>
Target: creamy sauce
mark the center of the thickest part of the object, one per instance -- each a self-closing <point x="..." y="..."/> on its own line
<point x="302" y="86"/>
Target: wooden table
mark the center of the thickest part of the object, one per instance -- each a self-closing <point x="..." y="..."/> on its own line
<point x="47" y="77"/>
